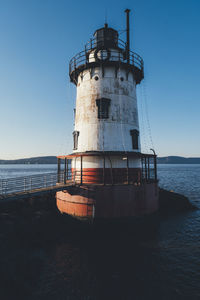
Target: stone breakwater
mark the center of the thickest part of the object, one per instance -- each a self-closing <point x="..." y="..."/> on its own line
<point x="169" y="201"/>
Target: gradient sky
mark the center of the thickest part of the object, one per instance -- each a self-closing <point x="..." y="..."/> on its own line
<point x="37" y="40"/>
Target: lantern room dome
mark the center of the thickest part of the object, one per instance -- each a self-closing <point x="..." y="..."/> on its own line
<point x="106" y="37"/>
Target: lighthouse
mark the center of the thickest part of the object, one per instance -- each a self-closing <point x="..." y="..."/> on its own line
<point x="109" y="176"/>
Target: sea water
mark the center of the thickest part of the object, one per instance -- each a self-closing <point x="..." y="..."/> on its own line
<point x="15" y="170"/>
<point x="164" y="264"/>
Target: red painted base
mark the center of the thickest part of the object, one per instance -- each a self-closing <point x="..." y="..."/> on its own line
<point x="98" y="175"/>
<point x="108" y="202"/>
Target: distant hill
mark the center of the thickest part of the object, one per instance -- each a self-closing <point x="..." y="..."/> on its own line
<point x="32" y="160"/>
<point x="178" y="160"/>
<point x="53" y="160"/>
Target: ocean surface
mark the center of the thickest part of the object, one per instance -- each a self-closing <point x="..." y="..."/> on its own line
<point x="162" y="264"/>
<point x="12" y="171"/>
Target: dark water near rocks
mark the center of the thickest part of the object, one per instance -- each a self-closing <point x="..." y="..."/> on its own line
<point x="45" y="259"/>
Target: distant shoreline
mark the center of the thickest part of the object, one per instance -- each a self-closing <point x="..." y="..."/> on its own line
<point x="53" y="160"/>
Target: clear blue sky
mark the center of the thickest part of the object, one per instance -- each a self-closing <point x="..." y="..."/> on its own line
<point x="38" y="38"/>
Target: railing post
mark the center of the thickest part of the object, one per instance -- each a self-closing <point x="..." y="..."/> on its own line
<point x="86" y="55"/>
<point x="155" y="166"/>
<point x="24" y="184"/>
<point x="51" y="180"/>
<point x="58" y="170"/>
<point x="65" y="171"/>
<point x="142" y="168"/>
<point x="104" y="163"/>
<point x="6" y="187"/>
<point x="2" y="186"/>
<point x="148" y="170"/>
<point x="145" y="161"/>
<point x="111" y="169"/>
<point x="139" y="177"/>
<point x="81" y="170"/>
<point x="127" y="167"/>
<point x="45" y="181"/>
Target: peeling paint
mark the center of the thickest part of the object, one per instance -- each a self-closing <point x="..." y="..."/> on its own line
<point x="112" y="133"/>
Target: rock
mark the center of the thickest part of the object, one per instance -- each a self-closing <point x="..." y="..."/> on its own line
<point x="171" y="202"/>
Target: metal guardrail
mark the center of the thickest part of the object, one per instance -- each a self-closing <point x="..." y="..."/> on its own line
<point x="127" y="175"/>
<point x="82" y="58"/>
<point x="45" y="180"/>
<point x="93" y="43"/>
<point x="29" y="183"/>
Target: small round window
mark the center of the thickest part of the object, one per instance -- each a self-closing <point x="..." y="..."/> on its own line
<point x="96" y="78"/>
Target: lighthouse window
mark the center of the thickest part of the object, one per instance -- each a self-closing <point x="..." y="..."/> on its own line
<point x="103" y="108"/>
<point x="134" y="134"/>
<point x="96" y="78"/>
<point x="75" y="135"/>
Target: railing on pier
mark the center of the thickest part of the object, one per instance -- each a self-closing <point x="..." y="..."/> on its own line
<point x="66" y="175"/>
<point x="29" y="183"/>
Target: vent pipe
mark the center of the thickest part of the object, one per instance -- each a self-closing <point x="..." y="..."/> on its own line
<point x="127" y="11"/>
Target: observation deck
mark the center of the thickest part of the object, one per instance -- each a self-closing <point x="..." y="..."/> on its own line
<point x="106" y="49"/>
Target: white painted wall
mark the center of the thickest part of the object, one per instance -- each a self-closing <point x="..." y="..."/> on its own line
<point x="97" y="162"/>
<point x="111" y="134"/>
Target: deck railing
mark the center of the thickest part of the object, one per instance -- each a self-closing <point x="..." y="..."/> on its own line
<point x="82" y="58"/>
<point x="127" y="175"/>
<point x="29" y="183"/>
<point x="118" y="56"/>
<point x="148" y="173"/>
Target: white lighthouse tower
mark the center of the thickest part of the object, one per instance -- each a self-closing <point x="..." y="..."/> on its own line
<point x="106" y="137"/>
